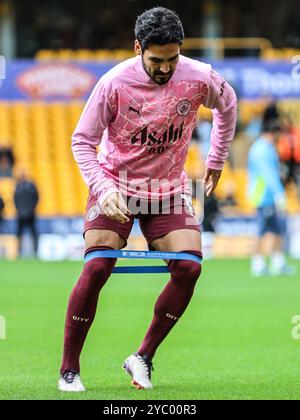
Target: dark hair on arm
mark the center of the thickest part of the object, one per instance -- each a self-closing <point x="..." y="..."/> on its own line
<point x="158" y="26"/>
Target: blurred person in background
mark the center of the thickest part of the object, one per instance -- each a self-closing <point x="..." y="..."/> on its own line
<point x="26" y="199"/>
<point x="254" y="127"/>
<point x="271" y="113"/>
<point x="211" y="212"/>
<point x="6" y="162"/>
<point x="267" y="194"/>
<point x="1" y="214"/>
<point x="289" y="152"/>
<point x="228" y="205"/>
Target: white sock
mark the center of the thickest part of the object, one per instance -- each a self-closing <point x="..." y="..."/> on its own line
<point x="278" y="261"/>
<point x="258" y="263"/>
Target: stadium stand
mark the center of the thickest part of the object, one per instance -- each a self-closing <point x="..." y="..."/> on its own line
<point x="84" y="55"/>
<point x="40" y="135"/>
<point x="266" y="51"/>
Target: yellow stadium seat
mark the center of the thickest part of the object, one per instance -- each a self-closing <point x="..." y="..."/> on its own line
<point x="47" y="55"/>
<point x="67" y="55"/>
<point x="7" y="188"/>
<point x="293" y="199"/>
<point x="5" y="124"/>
<point x="194" y="164"/>
<point x="85" y="55"/>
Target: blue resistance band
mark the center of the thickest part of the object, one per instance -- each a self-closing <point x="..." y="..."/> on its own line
<point x="148" y="255"/>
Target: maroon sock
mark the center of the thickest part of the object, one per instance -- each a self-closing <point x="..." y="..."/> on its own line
<point x="172" y="303"/>
<point x="82" y="307"/>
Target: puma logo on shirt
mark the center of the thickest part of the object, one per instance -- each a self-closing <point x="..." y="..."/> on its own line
<point x="137" y="111"/>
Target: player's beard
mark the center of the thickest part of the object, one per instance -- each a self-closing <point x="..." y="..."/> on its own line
<point x="157" y="76"/>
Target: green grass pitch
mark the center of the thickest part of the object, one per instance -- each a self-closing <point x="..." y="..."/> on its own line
<point x="234" y="341"/>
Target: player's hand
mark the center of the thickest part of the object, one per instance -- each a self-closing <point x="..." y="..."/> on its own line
<point x="211" y="179"/>
<point x="115" y="208"/>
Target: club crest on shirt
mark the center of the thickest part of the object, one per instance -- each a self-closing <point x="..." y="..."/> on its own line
<point x="183" y="108"/>
<point x="93" y="213"/>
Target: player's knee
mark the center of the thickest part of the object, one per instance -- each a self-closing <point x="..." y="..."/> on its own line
<point x="95" y="274"/>
<point x="98" y="268"/>
<point x="95" y="268"/>
<point x="194" y="270"/>
<point x="185" y="271"/>
<point x="184" y="277"/>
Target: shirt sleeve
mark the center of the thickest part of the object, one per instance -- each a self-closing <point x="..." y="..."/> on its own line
<point x="95" y="118"/>
<point x="223" y="101"/>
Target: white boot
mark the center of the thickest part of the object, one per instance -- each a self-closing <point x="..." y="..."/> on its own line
<point x="70" y="382"/>
<point x="139" y="368"/>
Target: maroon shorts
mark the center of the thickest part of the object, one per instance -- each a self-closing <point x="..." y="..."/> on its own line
<point x="166" y="217"/>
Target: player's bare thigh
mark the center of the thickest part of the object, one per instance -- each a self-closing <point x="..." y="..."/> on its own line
<point x="178" y="241"/>
<point x="101" y="237"/>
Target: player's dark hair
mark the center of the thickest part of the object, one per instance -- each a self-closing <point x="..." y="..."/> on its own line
<point x="271" y="120"/>
<point x="158" y="26"/>
<point x="272" y="125"/>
